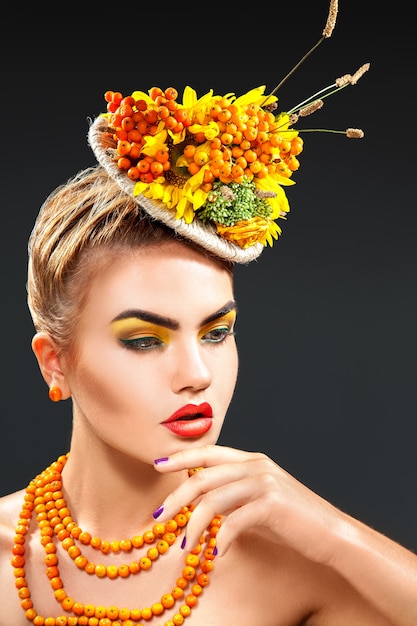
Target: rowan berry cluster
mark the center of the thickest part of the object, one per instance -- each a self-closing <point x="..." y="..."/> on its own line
<point x="249" y="142"/>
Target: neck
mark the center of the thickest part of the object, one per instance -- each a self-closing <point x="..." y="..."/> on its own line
<point x="112" y="494"/>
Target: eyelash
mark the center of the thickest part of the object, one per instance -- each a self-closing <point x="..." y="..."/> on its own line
<point x="142" y="344"/>
<point x="223" y="332"/>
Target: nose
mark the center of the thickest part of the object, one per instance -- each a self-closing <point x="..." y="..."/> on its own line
<point x="191" y="369"/>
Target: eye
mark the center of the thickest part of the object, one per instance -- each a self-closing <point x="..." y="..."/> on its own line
<point x="142" y="343"/>
<point x="217" y="335"/>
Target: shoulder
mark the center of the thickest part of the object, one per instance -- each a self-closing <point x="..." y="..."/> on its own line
<point x="299" y="590"/>
<point x="10" y="507"/>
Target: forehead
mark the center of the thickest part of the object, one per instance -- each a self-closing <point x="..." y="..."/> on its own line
<point x="170" y="279"/>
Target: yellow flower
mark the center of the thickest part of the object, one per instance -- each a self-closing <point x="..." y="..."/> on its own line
<point x="248" y="232"/>
<point x="209" y="130"/>
<point x="154" y="143"/>
<point x="188" y="134"/>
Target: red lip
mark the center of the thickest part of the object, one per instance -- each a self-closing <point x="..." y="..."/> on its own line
<point x="191" y="410"/>
<point x="190" y="420"/>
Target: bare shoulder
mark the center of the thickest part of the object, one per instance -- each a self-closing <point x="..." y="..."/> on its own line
<point x="298" y="590"/>
<point x="10" y="507"/>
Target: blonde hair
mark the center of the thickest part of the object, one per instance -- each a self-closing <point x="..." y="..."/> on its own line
<point x="79" y="227"/>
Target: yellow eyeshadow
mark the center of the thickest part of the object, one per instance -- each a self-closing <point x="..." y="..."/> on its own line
<point x="226" y="320"/>
<point x="132" y="327"/>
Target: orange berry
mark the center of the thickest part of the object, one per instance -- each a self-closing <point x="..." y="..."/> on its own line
<point x="172" y="105"/>
<point x="237" y="171"/>
<point x="262" y="136"/>
<point x="200" y="137"/>
<point x="192" y="559"/>
<point x="171" y="526"/>
<point x="157" y="168"/>
<point x="100" y="570"/>
<point x="262" y="172"/>
<point x="215" y="143"/>
<point x="143" y="167"/>
<point x="154" y="92"/>
<point x="285" y="147"/>
<point x="170" y="122"/>
<point x="225" y="169"/>
<point x="123" y="163"/>
<point x="171" y="93"/>
<point x="145" y="563"/>
<point x="123" y="571"/>
<point x="250" y="133"/>
<point x="133" y="173"/>
<point x="141" y="105"/>
<point x="297" y="144"/>
<point x="226" y="139"/>
<point x="168" y="600"/>
<point x="215" y="109"/>
<point x="250" y="156"/>
<point x="125" y="110"/>
<point x="201" y="158"/>
<point x="134" y="567"/>
<point x="160" y="100"/>
<point x="112" y="572"/>
<point x="163" y="112"/>
<point x="177" y="592"/>
<point x="151" y="116"/>
<point x="189" y="151"/>
<point x="123" y="148"/>
<point x="206" y="566"/>
<point x="208" y="176"/>
<point x="162" y="156"/>
<point x="193" y="168"/>
<point x="117" y="97"/>
<point x="255" y="167"/>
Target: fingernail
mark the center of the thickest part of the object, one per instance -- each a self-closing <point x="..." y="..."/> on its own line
<point x="158" y="511"/>
<point x="183" y="542"/>
<point x="215" y="551"/>
<point x="164" y="459"/>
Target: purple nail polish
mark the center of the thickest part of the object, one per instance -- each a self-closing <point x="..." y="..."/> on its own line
<point x="215" y="551"/>
<point x="183" y="542"/>
<point x="158" y="511"/>
<point x="164" y="459"/>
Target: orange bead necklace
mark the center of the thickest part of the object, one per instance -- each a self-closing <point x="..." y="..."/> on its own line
<point x="44" y="497"/>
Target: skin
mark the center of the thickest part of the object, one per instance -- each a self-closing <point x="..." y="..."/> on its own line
<point x="277" y="545"/>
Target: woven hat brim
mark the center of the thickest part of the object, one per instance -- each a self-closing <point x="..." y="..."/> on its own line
<point x="198" y="231"/>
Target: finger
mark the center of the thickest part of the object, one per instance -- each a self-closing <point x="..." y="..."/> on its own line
<point x="205" y="456"/>
<point x="224" y="501"/>
<point x="206" y="479"/>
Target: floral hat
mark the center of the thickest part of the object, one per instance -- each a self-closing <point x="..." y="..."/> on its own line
<point x="214" y="168"/>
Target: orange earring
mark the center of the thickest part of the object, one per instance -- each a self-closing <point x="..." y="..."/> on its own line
<point x="55" y="393"/>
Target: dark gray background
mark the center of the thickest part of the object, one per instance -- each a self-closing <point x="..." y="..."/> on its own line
<point x="327" y="317"/>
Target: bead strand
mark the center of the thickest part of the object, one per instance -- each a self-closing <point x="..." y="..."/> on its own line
<point x="52" y="510"/>
<point x="198" y="564"/>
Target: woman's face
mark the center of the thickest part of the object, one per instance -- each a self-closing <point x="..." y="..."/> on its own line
<point x="155" y="361"/>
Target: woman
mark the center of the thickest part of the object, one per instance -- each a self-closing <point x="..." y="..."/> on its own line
<point x="136" y="326"/>
<point x="130" y="286"/>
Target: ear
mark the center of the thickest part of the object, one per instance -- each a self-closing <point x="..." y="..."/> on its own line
<point x="48" y="357"/>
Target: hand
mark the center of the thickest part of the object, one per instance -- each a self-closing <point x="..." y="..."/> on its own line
<point x="252" y="492"/>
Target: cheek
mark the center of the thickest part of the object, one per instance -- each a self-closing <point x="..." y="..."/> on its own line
<point x="109" y="386"/>
<point x="226" y="373"/>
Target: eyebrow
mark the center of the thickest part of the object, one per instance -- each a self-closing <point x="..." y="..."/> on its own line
<point x="168" y="322"/>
